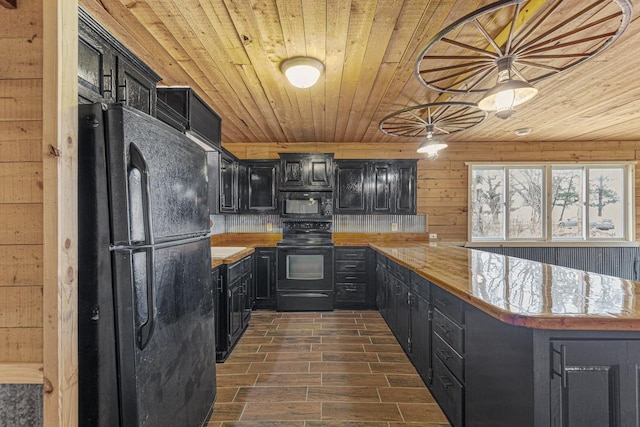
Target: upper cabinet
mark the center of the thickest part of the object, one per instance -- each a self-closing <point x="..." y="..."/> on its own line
<point x="229" y="185"/>
<point x="375" y="187"/>
<point x="183" y="109"/>
<point x="306" y="171"/>
<point x="109" y="72"/>
<point x="262" y="186"/>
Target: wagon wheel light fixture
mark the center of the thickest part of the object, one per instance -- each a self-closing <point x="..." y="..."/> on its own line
<point x="528" y="39"/>
<point x="430" y="121"/>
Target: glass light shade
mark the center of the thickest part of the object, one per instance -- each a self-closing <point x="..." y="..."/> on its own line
<point x="302" y="72"/>
<point x="506" y="95"/>
<point x="430" y="147"/>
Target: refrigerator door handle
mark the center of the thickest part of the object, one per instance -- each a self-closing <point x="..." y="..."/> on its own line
<point x="137" y="161"/>
<point x="145" y="330"/>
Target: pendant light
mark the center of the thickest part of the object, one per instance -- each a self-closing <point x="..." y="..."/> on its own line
<point x="302" y="72"/>
<point x="507" y="93"/>
<point x="431" y="146"/>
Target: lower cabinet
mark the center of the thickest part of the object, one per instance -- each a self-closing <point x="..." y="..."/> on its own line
<point x="354" y="289"/>
<point x="265" y="278"/>
<point x="484" y="372"/>
<point x="233" y="303"/>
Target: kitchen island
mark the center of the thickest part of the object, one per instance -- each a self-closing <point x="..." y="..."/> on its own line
<point x="513" y="342"/>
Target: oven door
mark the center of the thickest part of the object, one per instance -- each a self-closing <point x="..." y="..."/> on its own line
<point x="305" y="278"/>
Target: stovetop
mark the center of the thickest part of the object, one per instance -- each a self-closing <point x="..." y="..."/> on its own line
<point x="306" y="232"/>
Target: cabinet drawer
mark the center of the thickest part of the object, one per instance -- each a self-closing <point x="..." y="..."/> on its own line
<point x="400" y="272"/>
<point x="348" y="266"/>
<point x="449" y="393"/>
<point x="234" y="271"/>
<point x="351" y="253"/>
<point x="449" y="357"/>
<point x="355" y="277"/>
<point x="350" y="292"/>
<point x="447" y="304"/>
<point x="246" y="264"/>
<point x="420" y="286"/>
<point x="381" y="259"/>
<point x="449" y="331"/>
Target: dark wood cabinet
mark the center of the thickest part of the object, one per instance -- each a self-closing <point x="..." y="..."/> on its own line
<point x="375" y="187"/>
<point x="109" y="72"/>
<point x="306" y="171"/>
<point x="594" y="382"/>
<point x="228" y="184"/>
<point x="183" y="109"/>
<point x="421" y="313"/>
<point x="261" y="188"/>
<point x="234" y="301"/>
<point x="354" y="289"/>
<point x="351" y="187"/>
<point x="265" y="278"/>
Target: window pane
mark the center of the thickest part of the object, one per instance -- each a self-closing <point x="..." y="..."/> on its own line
<point x="566" y="203"/>
<point x="525" y="203"/>
<point x="606" y="203"/>
<point x="487" y="200"/>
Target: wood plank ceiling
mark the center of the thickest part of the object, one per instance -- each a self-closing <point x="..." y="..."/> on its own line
<point x="229" y="51"/>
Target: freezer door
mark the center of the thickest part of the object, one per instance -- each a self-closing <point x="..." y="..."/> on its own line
<point x="157" y="180"/>
<point x="167" y="378"/>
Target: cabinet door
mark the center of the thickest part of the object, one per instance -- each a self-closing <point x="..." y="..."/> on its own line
<point x="594" y="383"/>
<point x="236" y="311"/>
<point x="320" y="172"/>
<point x="135" y="89"/>
<point x="404" y="191"/>
<point x="265" y="278"/>
<point x="403" y="322"/>
<point x="228" y="185"/>
<point x="262" y="191"/>
<point x="381" y="177"/>
<point x="292" y="173"/>
<point x="96" y="68"/>
<point x="350" y="191"/>
<point x="421" y="336"/>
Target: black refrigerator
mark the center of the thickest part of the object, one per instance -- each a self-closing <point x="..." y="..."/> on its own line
<point x="146" y="333"/>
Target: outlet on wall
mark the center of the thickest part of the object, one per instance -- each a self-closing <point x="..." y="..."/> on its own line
<point x="269" y="226"/>
<point x="433" y="236"/>
<point x="394" y="226"/>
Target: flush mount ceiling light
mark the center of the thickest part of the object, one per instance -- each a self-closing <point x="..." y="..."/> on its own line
<point x="302" y="72"/>
<point x="430" y="121"/>
<point x="527" y="39"/>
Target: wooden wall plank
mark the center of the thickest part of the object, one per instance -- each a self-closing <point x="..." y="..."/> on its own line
<point x="21" y="182"/>
<point x="21" y="345"/>
<point x="21" y="224"/>
<point x="21" y="307"/>
<point x="20" y="58"/>
<point x="20" y="99"/>
<point x="21" y="373"/>
<point x="20" y="265"/>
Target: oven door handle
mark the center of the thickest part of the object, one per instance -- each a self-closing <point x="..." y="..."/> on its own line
<point x="306" y="295"/>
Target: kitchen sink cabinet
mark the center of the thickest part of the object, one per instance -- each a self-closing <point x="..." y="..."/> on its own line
<point x="234" y="303"/>
<point x="306" y="171"/>
<point x="109" y="72"/>
<point x="375" y="187"/>
<point x="265" y="278"/>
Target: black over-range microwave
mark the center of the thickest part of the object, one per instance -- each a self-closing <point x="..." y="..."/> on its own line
<point x="306" y="204"/>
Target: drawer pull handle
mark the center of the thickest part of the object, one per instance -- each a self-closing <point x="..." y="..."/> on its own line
<point x="352" y="255"/>
<point x="445" y="354"/>
<point x="351" y="277"/>
<point x="444" y="329"/>
<point x="350" y="266"/>
<point x="442" y="302"/>
<point x="445" y="381"/>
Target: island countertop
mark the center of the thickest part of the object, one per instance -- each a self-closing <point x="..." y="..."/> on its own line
<point x="522" y="292"/>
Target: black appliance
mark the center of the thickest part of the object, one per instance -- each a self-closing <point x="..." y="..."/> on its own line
<point x="305" y="266"/>
<point x="306" y="204"/>
<point x="145" y="295"/>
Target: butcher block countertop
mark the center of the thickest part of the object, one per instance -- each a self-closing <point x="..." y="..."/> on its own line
<point x="522" y="292"/>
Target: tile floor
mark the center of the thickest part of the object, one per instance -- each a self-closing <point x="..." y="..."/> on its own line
<point x="332" y="369"/>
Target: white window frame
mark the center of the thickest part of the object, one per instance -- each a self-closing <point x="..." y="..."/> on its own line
<point x="627" y="239"/>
